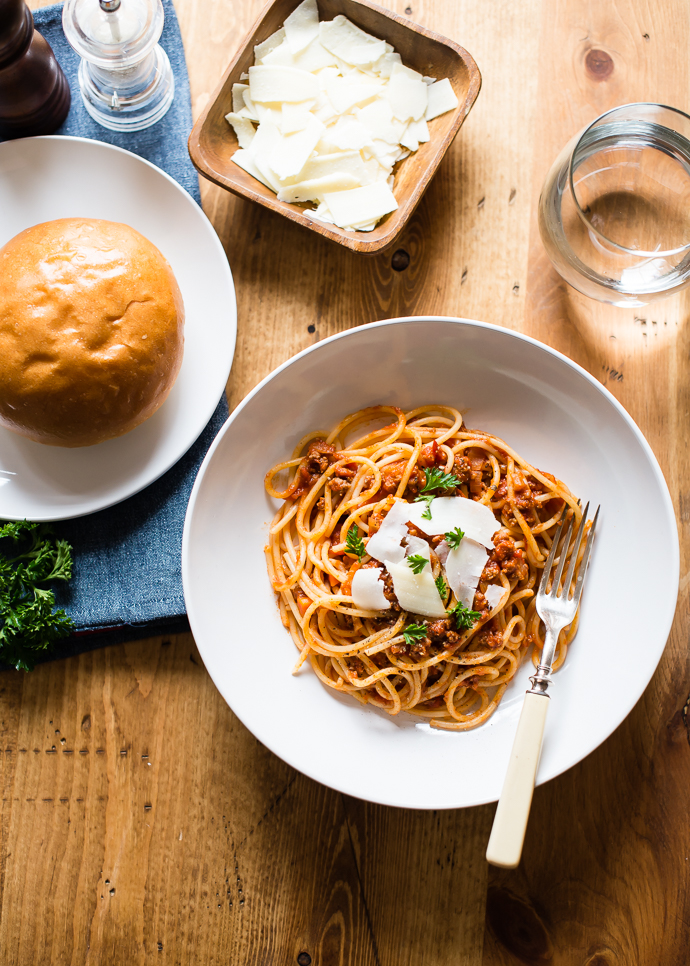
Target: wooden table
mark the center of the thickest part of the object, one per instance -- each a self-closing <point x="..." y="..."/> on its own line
<point x="141" y="823"/>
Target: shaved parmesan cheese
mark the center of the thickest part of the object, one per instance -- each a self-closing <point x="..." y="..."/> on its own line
<point x="302" y="26"/>
<point x="406" y="93"/>
<point x="367" y="590"/>
<point x="416" y="593"/>
<point x="419" y="129"/>
<point x="442" y="550"/>
<point x="342" y="162"/>
<point x="385" y="544"/>
<point x="295" y="117"/>
<point x="475" y="519"/>
<point x="266" y="138"/>
<point x="384" y="65"/>
<point x="441" y="99"/>
<point x="494" y="593"/>
<point x="275" y="40"/>
<point x="243" y="127"/>
<point x="416" y="547"/>
<point x="464" y="566"/>
<point x="349" y="43"/>
<point x="282" y="56"/>
<point x="250" y="105"/>
<point x="315" y="57"/>
<point x="330" y="92"/>
<point x="321" y="214"/>
<point x="277" y="84"/>
<point x="348" y="134"/>
<point x="378" y="119"/>
<point x="361" y="205"/>
<point x="238" y="97"/>
<point x="345" y="93"/>
<point x="244" y="161"/>
<point x="289" y="154"/>
<point x="315" y="189"/>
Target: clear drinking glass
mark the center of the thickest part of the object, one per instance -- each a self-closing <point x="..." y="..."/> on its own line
<point x="614" y="212"/>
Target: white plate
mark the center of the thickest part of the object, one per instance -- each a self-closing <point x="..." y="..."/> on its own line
<point x="559" y="418"/>
<point x="59" y="177"/>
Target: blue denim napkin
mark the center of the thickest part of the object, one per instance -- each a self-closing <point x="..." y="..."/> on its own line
<point x="127" y="582"/>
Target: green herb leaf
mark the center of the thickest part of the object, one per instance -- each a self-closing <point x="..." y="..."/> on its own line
<point x="355" y="544"/>
<point x="29" y="624"/>
<point x="414" y="632"/>
<point x="435" y="479"/>
<point x="441" y="586"/>
<point x="454" y="537"/>
<point x="417" y="563"/>
<point x="464" y="617"/>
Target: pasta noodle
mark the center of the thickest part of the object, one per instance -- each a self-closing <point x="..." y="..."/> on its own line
<point x="340" y="488"/>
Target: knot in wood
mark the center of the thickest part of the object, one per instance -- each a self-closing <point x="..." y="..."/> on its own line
<point x="518" y="927"/>
<point x="304" y="959"/>
<point x="599" y="64"/>
<point x="400" y="260"/>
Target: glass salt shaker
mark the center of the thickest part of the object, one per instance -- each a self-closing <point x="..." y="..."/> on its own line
<point x="125" y="77"/>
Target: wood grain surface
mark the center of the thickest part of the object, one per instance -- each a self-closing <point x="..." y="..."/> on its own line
<point x="141" y="823"/>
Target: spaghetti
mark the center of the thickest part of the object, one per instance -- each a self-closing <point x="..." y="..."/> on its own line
<point x="451" y="670"/>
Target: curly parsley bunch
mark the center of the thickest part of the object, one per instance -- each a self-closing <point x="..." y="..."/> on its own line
<point x="31" y="558"/>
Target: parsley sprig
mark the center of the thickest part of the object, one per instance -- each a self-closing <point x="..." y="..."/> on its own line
<point x="417" y="562"/>
<point x="355" y="544"/>
<point x="441" y="586"/>
<point x="453" y="538"/>
<point x="464" y="617"/>
<point x="435" y="479"/>
<point x="414" y="632"/>
<point x="30" y="558"/>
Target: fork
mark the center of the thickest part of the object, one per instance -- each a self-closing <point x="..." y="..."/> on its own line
<point x="557" y="610"/>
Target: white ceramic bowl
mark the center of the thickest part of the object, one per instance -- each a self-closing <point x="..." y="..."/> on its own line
<point x="559" y="418"/>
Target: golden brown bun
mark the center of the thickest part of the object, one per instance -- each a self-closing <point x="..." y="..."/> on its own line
<point x="91" y="331"/>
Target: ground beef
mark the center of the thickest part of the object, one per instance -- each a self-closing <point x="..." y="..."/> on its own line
<point x="505" y="558"/>
<point x="356" y="668"/>
<point x="524" y="495"/>
<point x="489" y="636"/>
<point x="480" y="603"/>
<point x="480" y="467"/>
<point x="389" y="593"/>
<point x="462" y="468"/>
<point x="419" y="649"/>
<point x="319" y="457"/>
<point x="442" y="632"/>
<point x="336" y="485"/>
<point x="392" y="475"/>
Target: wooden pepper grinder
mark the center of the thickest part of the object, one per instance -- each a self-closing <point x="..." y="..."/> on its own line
<point x="34" y="93"/>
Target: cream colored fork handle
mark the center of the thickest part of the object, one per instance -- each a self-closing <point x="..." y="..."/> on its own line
<point x="510" y="821"/>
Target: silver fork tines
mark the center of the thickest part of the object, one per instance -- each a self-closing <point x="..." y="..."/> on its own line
<point x="556" y="607"/>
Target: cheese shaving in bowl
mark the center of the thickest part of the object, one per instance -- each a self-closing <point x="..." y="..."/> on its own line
<point x="324" y="88"/>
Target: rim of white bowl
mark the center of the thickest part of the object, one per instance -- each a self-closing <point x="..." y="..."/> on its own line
<point x="665" y="622"/>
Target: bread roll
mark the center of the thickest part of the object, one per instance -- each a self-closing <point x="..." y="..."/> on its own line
<point x="91" y="331"/>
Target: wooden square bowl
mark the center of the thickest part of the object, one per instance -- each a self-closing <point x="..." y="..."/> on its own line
<point x="212" y="142"/>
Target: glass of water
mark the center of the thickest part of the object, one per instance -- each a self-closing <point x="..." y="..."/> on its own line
<point x="614" y="212"/>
